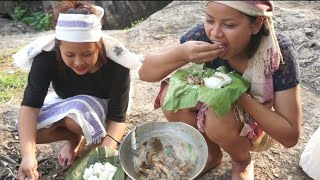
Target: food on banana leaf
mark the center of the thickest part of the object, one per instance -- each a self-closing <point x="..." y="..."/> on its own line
<point x="99" y="155"/>
<point x="193" y="80"/>
<point x="197" y="83"/>
<point x="158" y="162"/>
<point x="99" y="171"/>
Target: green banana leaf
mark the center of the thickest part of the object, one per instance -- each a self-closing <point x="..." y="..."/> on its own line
<point x="182" y="95"/>
<point x="98" y="154"/>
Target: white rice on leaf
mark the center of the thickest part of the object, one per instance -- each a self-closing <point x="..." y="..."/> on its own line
<point x="99" y="171"/>
<point x="217" y="80"/>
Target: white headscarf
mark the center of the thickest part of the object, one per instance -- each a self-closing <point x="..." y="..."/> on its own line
<point x="79" y="28"/>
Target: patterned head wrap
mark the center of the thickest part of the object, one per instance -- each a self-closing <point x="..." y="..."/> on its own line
<point x="252" y="8"/>
<point x="79" y="27"/>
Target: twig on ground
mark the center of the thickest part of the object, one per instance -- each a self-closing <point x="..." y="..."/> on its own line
<point x="8" y="159"/>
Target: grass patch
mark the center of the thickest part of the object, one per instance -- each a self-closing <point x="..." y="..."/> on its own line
<point x="12" y="80"/>
<point x="133" y="24"/>
<point x="11" y="83"/>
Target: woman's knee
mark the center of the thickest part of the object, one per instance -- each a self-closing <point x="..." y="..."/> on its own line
<point x="187" y="115"/>
<point x="222" y="130"/>
<point x="170" y="115"/>
<point x="183" y="115"/>
<point x="70" y="124"/>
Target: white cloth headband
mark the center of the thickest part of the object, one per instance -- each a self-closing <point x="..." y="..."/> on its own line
<point x="79" y="27"/>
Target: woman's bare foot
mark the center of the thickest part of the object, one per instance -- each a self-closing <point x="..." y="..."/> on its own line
<point x="243" y="171"/>
<point x="69" y="152"/>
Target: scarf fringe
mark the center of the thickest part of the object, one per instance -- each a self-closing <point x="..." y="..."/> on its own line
<point x="96" y="140"/>
<point x="268" y="56"/>
<point x="242" y="115"/>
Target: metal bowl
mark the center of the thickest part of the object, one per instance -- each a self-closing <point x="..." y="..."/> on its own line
<point x="174" y="133"/>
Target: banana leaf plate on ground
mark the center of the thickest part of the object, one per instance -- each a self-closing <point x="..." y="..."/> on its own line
<point x="98" y="154"/>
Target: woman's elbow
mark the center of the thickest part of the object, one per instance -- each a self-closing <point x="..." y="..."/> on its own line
<point x="292" y="140"/>
<point x="144" y="75"/>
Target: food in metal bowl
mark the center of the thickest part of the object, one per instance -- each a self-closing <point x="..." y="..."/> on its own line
<point x="157" y="161"/>
<point x="163" y="150"/>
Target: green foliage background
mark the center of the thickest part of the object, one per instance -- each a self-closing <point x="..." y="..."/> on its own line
<point x="40" y="21"/>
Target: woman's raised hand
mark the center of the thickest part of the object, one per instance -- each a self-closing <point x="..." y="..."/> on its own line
<point x="200" y="52"/>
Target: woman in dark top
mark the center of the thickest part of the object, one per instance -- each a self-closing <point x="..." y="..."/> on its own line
<point x="92" y="89"/>
<point x="239" y="35"/>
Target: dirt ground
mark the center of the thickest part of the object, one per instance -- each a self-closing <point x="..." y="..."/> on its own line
<point x="276" y="163"/>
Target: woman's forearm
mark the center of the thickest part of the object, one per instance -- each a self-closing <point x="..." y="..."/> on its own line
<point x="116" y="130"/>
<point x="27" y="128"/>
<point x="274" y="124"/>
<point x="157" y="66"/>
